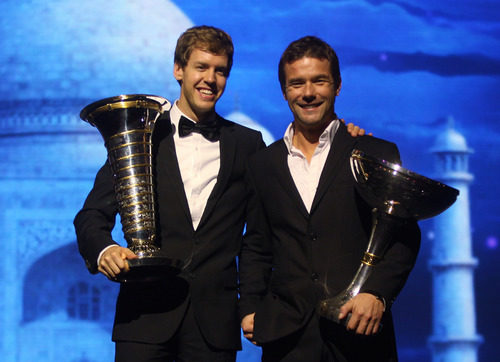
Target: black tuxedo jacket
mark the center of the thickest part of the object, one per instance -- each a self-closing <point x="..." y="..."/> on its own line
<point x="291" y="258"/>
<point x="152" y="312"/>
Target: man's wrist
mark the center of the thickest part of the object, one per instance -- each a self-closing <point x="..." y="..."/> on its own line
<point x="103" y="250"/>
<point x="378" y="296"/>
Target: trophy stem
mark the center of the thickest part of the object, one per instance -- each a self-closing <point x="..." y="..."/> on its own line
<point x="382" y="227"/>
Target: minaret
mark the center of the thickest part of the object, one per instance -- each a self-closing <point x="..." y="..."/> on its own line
<point x="454" y="337"/>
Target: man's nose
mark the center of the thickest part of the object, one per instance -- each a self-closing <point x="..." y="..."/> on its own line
<point x="210" y="76"/>
<point x="308" y="91"/>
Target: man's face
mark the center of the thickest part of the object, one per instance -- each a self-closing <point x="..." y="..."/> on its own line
<point x="203" y="81"/>
<point x="310" y="92"/>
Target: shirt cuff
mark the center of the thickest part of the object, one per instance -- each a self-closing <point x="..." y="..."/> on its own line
<point x="103" y="250"/>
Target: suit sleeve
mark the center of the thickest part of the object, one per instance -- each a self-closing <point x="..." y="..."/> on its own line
<point x="95" y="221"/>
<point x="255" y="260"/>
<point x="390" y="274"/>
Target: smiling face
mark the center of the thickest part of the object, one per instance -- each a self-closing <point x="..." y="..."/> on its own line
<point x="203" y="80"/>
<point x="310" y="91"/>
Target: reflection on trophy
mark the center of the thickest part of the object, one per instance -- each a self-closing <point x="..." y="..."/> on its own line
<point x="126" y="124"/>
<point x="396" y="195"/>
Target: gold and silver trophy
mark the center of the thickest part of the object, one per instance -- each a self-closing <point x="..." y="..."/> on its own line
<point x="395" y="195"/>
<point x="126" y="124"/>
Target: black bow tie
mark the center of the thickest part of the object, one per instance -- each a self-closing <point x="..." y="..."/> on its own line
<point x="209" y="130"/>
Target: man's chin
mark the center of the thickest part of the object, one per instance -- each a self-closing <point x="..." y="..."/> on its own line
<point x="310" y="121"/>
<point x="204" y="112"/>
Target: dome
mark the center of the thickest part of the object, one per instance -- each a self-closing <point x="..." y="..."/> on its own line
<point x="52" y="49"/>
<point x="245" y="120"/>
<point x="450" y="140"/>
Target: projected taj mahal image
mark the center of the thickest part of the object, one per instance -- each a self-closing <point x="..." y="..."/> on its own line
<point x="66" y="55"/>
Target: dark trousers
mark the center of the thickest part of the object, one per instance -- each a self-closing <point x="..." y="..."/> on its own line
<point x="306" y="344"/>
<point x="187" y="345"/>
<point x="321" y="340"/>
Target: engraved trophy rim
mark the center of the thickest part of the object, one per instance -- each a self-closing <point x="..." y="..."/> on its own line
<point x="89" y="112"/>
<point x="356" y="153"/>
<point x="400" y="189"/>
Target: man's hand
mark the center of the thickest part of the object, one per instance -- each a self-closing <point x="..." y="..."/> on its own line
<point x="366" y="312"/>
<point x="113" y="261"/>
<point x="247" y="327"/>
<point x="355" y="131"/>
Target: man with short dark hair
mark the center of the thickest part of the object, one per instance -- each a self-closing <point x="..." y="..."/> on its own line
<point x="308" y="229"/>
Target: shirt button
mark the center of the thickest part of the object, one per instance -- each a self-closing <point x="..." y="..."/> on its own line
<point x="315" y="277"/>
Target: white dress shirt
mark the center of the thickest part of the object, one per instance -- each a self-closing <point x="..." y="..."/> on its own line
<point x="306" y="174"/>
<point x="199" y="163"/>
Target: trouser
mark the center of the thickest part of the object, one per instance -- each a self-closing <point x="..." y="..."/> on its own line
<point x="187" y="345"/>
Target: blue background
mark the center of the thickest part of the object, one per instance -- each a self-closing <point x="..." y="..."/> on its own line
<point x="408" y="67"/>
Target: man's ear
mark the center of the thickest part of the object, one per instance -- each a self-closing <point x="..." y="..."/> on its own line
<point x="178" y="72"/>
<point x="338" y="88"/>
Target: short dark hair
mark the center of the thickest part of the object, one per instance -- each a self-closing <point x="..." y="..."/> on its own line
<point x="313" y="47"/>
<point x="207" y="38"/>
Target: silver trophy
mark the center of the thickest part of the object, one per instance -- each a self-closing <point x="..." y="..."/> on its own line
<point x="395" y="194"/>
<point x="126" y="124"/>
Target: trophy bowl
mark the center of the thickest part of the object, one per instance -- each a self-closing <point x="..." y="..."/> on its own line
<point x="395" y="195"/>
<point x="126" y="124"/>
<point x="397" y="191"/>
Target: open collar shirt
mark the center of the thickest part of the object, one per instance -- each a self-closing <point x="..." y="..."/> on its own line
<point x="306" y="174"/>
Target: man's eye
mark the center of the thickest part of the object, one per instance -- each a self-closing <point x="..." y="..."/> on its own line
<point x="295" y="84"/>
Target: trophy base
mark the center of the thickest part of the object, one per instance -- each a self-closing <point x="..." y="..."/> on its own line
<point x="150" y="269"/>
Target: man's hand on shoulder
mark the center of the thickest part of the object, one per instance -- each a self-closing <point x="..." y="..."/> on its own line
<point x="113" y="261"/>
<point x="355" y="131"/>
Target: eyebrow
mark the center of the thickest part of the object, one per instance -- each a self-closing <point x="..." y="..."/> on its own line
<point x="317" y="77"/>
<point x="205" y="64"/>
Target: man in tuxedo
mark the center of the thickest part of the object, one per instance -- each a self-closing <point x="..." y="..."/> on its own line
<point x="308" y="229"/>
<point x="201" y="207"/>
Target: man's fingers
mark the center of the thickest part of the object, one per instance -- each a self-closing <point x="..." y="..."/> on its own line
<point x="103" y="271"/>
<point x="362" y="326"/>
<point x="370" y="329"/>
<point x="128" y="254"/>
<point x="114" y="261"/>
<point x="345" y="309"/>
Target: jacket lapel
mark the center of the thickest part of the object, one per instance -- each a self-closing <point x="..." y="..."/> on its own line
<point x="227" y="147"/>
<point x="341" y="148"/>
<point x="167" y="164"/>
<point x="285" y="179"/>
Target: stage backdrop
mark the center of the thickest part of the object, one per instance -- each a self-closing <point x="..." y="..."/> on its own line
<point x="412" y="71"/>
